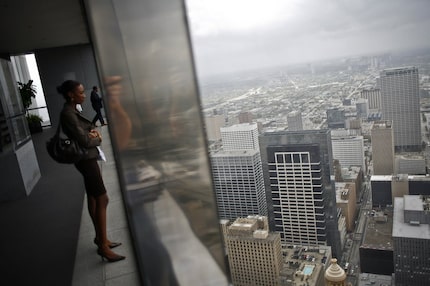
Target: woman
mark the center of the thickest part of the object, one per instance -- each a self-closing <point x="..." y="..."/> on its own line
<point x="81" y="129"/>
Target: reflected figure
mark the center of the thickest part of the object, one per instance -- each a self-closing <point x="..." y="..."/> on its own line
<point x="141" y="179"/>
<point x="80" y="128"/>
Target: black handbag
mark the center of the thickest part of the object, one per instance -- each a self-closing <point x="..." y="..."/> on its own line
<point x="64" y="149"/>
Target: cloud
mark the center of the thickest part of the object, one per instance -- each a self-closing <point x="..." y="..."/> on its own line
<point x="238" y="34"/>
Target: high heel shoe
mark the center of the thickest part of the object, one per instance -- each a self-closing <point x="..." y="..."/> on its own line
<point x="111" y="244"/>
<point x="110" y="257"/>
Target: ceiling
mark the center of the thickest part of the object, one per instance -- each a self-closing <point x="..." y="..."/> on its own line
<point x="28" y="25"/>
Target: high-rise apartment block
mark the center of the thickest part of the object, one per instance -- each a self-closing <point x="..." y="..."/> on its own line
<point x="297" y="169"/>
<point x="254" y="253"/>
<point x="401" y="104"/>
<point x="240" y="137"/>
<point x="349" y="150"/>
<point x="239" y="184"/>
<point x="295" y="122"/>
<point x="411" y="236"/>
<point x="373" y="97"/>
<point x="382" y="137"/>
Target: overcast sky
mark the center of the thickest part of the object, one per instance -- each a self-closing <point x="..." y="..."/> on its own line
<point x="230" y="35"/>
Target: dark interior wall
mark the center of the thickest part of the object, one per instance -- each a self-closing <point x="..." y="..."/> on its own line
<point x="59" y="64"/>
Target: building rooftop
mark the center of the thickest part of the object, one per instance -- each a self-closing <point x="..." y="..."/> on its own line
<point x="303" y="263"/>
<point x="234" y="153"/>
<point x="378" y="233"/>
<point x="240" y="127"/>
<point x="407" y="230"/>
<point x="369" y="279"/>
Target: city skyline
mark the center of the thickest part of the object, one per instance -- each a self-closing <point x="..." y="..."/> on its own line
<point x="242" y="35"/>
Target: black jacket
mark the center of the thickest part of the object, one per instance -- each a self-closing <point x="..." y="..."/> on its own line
<point x="96" y="101"/>
<point x="78" y="127"/>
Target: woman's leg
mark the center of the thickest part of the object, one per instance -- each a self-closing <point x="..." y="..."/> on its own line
<point x="91" y="203"/>
<point x="97" y="206"/>
<point x="101" y="203"/>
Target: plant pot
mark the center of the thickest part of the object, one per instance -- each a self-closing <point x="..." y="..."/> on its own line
<point x="35" y="127"/>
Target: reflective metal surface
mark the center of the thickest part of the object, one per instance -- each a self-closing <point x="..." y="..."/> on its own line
<point x="144" y="57"/>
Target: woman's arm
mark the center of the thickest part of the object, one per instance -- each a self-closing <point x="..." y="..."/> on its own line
<point x="74" y="128"/>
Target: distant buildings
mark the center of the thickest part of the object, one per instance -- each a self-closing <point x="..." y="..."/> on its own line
<point x="411" y="236"/>
<point x="245" y="117"/>
<point x="336" y="118"/>
<point x="294" y="120"/>
<point x="297" y="169"/>
<point x="213" y="124"/>
<point x="362" y="107"/>
<point x="254" y="253"/>
<point x="382" y="137"/>
<point x="400" y="104"/>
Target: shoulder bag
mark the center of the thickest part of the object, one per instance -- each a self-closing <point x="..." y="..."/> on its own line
<point x="64" y="149"/>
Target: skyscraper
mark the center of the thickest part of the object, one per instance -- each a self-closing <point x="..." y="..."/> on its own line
<point x="239" y="184"/>
<point x="400" y="104"/>
<point x="294" y="120"/>
<point x="240" y="137"/>
<point x="349" y="150"/>
<point x="254" y="253"/>
<point x="382" y="148"/>
<point x="297" y="169"/>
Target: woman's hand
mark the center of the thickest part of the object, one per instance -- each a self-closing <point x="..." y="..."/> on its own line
<point x="94" y="134"/>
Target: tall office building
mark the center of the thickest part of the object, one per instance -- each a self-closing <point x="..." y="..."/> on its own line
<point x="254" y="253"/>
<point x="295" y="122"/>
<point x="411" y="236"/>
<point x="401" y="105"/>
<point x="239" y="184"/>
<point x="213" y="125"/>
<point x="349" y="150"/>
<point x="382" y="137"/>
<point x="240" y="137"/>
<point x="297" y="169"/>
<point x="373" y="97"/>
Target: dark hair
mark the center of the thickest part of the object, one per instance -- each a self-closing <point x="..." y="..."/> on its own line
<point x="94" y="87"/>
<point x="66" y="87"/>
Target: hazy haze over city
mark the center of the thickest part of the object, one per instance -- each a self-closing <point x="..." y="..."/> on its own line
<point x="234" y="35"/>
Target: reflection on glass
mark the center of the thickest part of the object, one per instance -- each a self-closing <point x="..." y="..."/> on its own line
<point x="153" y="109"/>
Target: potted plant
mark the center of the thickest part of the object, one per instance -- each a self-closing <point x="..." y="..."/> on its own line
<point x="28" y="92"/>
<point x="34" y="123"/>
